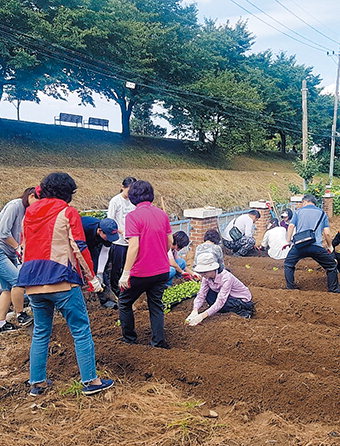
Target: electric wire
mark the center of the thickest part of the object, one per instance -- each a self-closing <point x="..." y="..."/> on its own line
<point x="274" y="27"/>
<point x="282" y="24"/>
<point x="88" y="67"/>
<point x="306" y="23"/>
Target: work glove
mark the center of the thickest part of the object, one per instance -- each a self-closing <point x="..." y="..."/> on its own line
<point x="191" y="316"/>
<point x="124" y="281"/>
<point x="19" y="251"/>
<point x="95" y="286"/>
<point x="186" y="276"/>
<point x="196" y="320"/>
<point x="330" y="249"/>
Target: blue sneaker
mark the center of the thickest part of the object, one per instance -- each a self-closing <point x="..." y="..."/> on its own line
<point x="92" y="389"/>
<point x="38" y="390"/>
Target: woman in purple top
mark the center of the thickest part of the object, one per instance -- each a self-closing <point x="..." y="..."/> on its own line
<point x="222" y="291"/>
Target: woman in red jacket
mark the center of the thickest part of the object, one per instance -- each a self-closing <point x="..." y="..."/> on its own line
<point x="55" y="255"/>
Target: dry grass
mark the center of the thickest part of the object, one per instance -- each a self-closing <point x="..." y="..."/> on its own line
<point x="147" y="414"/>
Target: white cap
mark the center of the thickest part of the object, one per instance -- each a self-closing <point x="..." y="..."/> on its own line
<point x="206" y="262"/>
<point x="284" y="214"/>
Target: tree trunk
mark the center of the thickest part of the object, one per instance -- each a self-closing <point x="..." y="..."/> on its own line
<point x="283" y="141"/>
<point x="18" y="109"/>
<point x="201" y="136"/>
<point x="126" y="110"/>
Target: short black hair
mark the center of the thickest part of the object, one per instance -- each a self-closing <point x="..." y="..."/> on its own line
<point x="309" y="197"/>
<point x="141" y="191"/>
<point x="289" y="213"/>
<point x="254" y="212"/>
<point x="58" y="185"/>
<point x="213" y="236"/>
<point x="24" y="197"/>
<point x="128" y="181"/>
<point x="181" y="240"/>
<point x="274" y="222"/>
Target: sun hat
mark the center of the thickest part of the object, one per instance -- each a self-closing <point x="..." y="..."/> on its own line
<point x="284" y="214"/>
<point x="206" y="262"/>
<point x="110" y="229"/>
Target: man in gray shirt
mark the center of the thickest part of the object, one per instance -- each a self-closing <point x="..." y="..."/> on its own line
<point x="311" y="217"/>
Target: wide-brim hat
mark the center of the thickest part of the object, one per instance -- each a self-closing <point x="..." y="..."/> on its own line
<point x="206" y="262"/>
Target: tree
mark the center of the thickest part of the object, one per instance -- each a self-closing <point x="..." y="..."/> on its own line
<point x="142" y="124"/>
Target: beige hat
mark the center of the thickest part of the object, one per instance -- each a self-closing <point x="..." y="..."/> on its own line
<point x="206" y="262"/>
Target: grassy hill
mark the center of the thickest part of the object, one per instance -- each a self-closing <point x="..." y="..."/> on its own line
<point x="99" y="160"/>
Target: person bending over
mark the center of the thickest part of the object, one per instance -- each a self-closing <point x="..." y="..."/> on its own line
<point x="274" y="239"/>
<point x="306" y="219"/>
<point x="212" y="240"/>
<point x="178" y="266"/>
<point x="239" y="234"/>
<point x="55" y="254"/>
<point x="100" y="233"/>
<point x="223" y="292"/>
<point x="11" y="218"/>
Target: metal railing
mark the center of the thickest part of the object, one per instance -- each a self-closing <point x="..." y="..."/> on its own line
<point x="224" y="219"/>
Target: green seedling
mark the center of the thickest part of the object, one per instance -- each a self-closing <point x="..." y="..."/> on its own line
<point x="178" y="293"/>
<point x="275" y="268"/>
<point x="74" y="389"/>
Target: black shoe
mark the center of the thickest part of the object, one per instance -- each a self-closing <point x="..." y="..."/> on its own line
<point x="335" y="291"/>
<point x="162" y="344"/>
<point x="110" y="304"/>
<point x="8" y="327"/>
<point x="24" y="319"/>
<point x="293" y="287"/>
<point x="128" y="341"/>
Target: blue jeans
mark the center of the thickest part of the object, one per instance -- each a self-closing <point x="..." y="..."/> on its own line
<point x="173" y="273"/>
<point x="71" y="304"/>
<point x="8" y="271"/>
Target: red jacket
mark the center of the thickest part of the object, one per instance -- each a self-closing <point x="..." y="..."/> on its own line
<point x="54" y="243"/>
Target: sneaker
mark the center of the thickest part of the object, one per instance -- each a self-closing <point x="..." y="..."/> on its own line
<point x="24" y="319"/>
<point x="8" y="327"/>
<point x="162" y="344"/>
<point x="110" y="304"/>
<point x="38" y="390"/>
<point x="92" y="389"/>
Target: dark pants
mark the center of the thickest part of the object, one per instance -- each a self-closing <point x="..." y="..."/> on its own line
<point x="232" y="305"/>
<point x="320" y="255"/>
<point x="117" y="259"/>
<point x="154" y="287"/>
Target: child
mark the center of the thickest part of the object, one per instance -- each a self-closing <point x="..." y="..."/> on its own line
<point x="222" y="291"/>
<point x="211" y="243"/>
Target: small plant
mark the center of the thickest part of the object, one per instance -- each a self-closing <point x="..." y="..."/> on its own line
<point x="74" y="389"/>
<point x="177" y="293"/>
<point x="94" y="213"/>
<point x="294" y="189"/>
<point x="307" y="169"/>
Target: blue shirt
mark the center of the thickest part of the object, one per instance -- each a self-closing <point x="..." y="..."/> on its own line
<point x="307" y="218"/>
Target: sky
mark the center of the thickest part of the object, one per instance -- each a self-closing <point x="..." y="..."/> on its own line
<point x="323" y="15"/>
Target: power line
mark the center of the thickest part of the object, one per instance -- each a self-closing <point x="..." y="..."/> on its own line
<point x="282" y="24"/>
<point x="306" y="23"/>
<point x="89" y="67"/>
<point x="274" y="27"/>
<point x="305" y="11"/>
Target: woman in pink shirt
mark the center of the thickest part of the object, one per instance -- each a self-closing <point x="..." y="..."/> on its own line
<point x="146" y="269"/>
<point x="222" y="291"/>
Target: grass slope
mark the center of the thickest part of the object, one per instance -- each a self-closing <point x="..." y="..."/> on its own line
<point x="100" y="160"/>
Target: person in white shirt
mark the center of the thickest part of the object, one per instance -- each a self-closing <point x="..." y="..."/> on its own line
<point x="274" y="239"/>
<point x="119" y="207"/>
<point x="239" y="234"/>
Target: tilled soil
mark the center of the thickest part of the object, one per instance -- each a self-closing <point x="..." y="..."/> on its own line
<point x="284" y="362"/>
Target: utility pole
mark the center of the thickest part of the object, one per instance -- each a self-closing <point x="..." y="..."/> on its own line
<point x="335" y="116"/>
<point x="304" y="126"/>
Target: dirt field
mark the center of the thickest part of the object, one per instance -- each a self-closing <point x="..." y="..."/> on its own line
<point x="273" y="380"/>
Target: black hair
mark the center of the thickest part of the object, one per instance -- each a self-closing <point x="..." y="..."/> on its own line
<point x="24" y="197"/>
<point x="310" y="198"/>
<point x="141" y="191"/>
<point x="128" y="181"/>
<point x="181" y="240"/>
<point x="289" y="212"/>
<point x="213" y="236"/>
<point x="274" y="222"/>
<point x="254" y="212"/>
<point x="58" y="185"/>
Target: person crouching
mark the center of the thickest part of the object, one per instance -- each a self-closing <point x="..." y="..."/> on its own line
<point x="223" y="292"/>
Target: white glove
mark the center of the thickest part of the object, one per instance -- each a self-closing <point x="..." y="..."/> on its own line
<point x="192" y="315"/>
<point x="100" y="277"/>
<point x="196" y="320"/>
<point x="95" y="285"/>
<point x="124" y="281"/>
